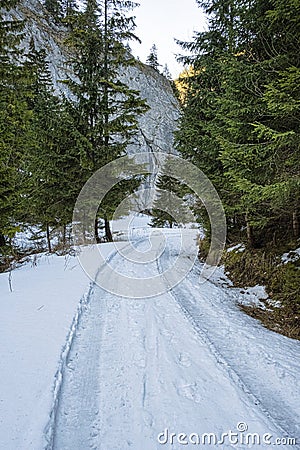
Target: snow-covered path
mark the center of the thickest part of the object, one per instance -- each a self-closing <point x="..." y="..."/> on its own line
<point x="187" y="361"/>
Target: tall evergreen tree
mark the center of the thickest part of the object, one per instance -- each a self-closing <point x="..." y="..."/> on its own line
<point x="152" y="59"/>
<point x="166" y="72"/>
<point x="238" y="122"/>
<point x="281" y="98"/>
<point x="258" y="147"/>
<point x="53" y="162"/>
<point x="169" y="208"/>
<point x="15" y="118"/>
<point x="105" y="108"/>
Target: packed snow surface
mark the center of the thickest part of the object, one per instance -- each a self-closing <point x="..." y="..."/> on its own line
<point x="83" y="368"/>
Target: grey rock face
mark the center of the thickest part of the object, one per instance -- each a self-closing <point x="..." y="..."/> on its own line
<point x="156" y="126"/>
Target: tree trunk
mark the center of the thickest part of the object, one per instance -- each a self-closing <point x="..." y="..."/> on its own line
<point x="64" y="235"/>
<point x="250" y="237"/>
<point x="296" y="226"/>
<point x="97" y="230"/>
<point x="48" y="238"/>
<point x="105" y="86"/>
<point x="2" y="240"/>
<point x="108" y="230"/>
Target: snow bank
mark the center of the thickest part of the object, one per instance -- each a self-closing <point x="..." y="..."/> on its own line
<point x="291" y="256"/>
<point x="35" y="322"/>
<point x="249" y="296"/>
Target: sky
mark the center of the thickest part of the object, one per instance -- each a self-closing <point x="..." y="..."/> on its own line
<point x="159" y="22"/>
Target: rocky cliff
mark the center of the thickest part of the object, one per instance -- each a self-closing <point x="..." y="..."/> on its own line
<point x="156" y="126"/>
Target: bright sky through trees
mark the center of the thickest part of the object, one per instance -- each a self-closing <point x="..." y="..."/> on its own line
<point x="159" y="22"/>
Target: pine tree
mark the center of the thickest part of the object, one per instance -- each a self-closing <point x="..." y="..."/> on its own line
<point x="165" y="205"/>
<point x="260" y="144"/>
<point x="239" y="122"/>
<point x="166" y="72"/>
<point x="203" y="131"/>
<point x="15" y="119"/>
<point x="53" y="162"/>
<point x="169" y="209"/>
<point x="106" y="108"/>
<point x="199" y="89"/>
<point x="282" y="127"/>
<point x="152" y="59"/>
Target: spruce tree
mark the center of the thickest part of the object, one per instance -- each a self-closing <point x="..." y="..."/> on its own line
<point x="105" y="108"/>
<point x="281" y="95"/>
<point x="53" y="162"/>
<point x="15" y="117"/>
<point x="256" y="119"/>
<point x="152" y="59"/>
<point x="168" y="208"/>
<point x="199" y="89"/>
<point x="166" y="72"/>
<point x="229" y="126"/>
<point x="165" y="205"/>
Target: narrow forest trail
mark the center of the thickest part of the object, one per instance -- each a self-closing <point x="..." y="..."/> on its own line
<point x="188" y="361"/>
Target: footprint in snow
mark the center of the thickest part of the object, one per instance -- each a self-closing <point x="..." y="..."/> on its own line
<point x="184" y="360"/>
<point x="190" y="391"/>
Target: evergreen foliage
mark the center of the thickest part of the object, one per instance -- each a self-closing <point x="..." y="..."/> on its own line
<point x="105" y="109"/>
<point x="166" y="72"/>
<point x="15" y="116"/>
<point x="56" y="9"/>
<point x="240" y="125"/>
<point x="240" y="120"/>
<point x="50" y="146"/>
<point x="53" y="162"/>
<point x="169" y="208"/>
<point x="152" y="59"/>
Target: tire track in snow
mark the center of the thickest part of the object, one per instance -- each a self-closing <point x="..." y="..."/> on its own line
<point x="258" y="386"/>
<point x="182" y="295"/>
<point x="64" y="357"/>
<point x="59" y="376"/>
<point x="144" y="378"/>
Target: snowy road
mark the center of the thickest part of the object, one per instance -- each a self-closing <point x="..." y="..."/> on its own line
<point x="187" y="361"/>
